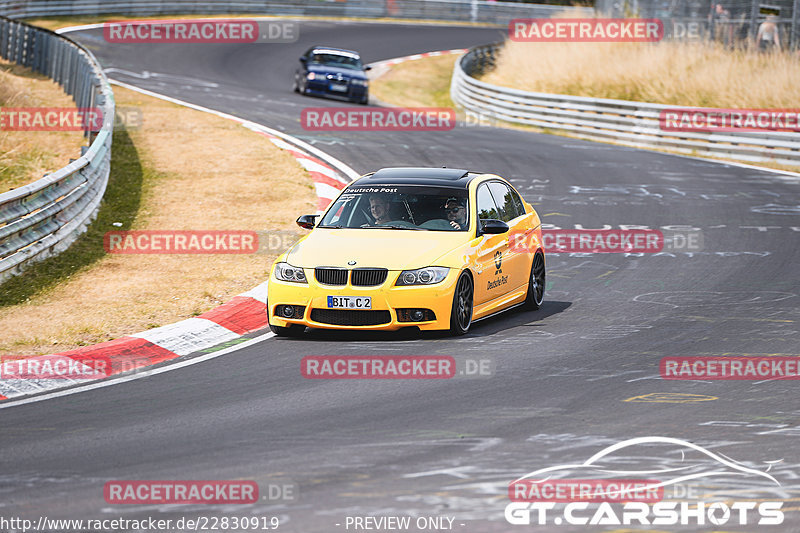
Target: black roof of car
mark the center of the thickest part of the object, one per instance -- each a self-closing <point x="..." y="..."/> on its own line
<point x="442" y="177"/>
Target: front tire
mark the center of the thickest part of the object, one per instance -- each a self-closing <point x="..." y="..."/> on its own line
<point x="461" y="313"/>
<point x="536" y="283"/>
<point x="295" y="330"/>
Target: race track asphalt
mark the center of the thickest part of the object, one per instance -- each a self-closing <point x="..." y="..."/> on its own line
<point x="576" y="376"/>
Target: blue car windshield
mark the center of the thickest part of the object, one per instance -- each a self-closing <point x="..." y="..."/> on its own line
<point x="399" y="207"/>
<point x="336" y="60"/>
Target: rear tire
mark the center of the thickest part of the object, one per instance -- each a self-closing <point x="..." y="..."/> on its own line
<point x="461" y="312"/>
<point x="294" y="330"/>
<point x="536" y="283"/>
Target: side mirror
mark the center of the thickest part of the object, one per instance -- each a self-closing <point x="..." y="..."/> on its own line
<point x="493" y="227"/>
<point x="368" y="67"/>
<point x="303" y="60"/>
<point x="308" y="221"/>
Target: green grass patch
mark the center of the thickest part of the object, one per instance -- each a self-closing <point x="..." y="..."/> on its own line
<point x="120" y="204"/>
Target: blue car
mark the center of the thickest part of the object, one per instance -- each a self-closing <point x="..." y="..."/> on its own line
<point x="326" y="71"/>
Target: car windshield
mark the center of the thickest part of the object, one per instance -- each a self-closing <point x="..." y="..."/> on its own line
<point x="336" y="60"/>
<point x="400" y="208"/>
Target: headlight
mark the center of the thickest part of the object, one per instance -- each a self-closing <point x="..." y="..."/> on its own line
<point x="311" y="75"/>
<point x="422" y="276"/>
<point x="362" y="83"/>
<point x="287" y="272"/>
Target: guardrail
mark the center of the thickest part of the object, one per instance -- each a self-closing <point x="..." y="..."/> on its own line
<point x="43" y="218"/>
<point x="630" y="123"/>
<point x="454" y="10"/>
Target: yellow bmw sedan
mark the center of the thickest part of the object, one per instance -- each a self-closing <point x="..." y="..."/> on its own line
<point x="431" y="248"/>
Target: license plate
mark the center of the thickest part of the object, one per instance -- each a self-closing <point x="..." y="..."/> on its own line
<point x="338" y="87"/>
<point x="349" y="302"/>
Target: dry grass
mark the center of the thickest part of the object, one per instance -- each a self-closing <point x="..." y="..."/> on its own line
<point x="198" y="172"/>
<point x="399" y="86"/>
<point x="26" y="156"/>
<point x="690" y="74"/>
<point x="421" y="83"/>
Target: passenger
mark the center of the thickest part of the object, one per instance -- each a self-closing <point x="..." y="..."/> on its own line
<point x="456" y="213"/>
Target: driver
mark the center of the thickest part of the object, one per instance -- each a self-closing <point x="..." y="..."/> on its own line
<point x="456" y="213"/>
<point x="379" y="207"/>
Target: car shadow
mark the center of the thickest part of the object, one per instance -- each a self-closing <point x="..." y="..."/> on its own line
<point x="506" y="320"/>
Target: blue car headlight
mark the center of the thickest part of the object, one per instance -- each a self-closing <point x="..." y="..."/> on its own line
<point x="359" y="83"/>
<point x="287" y="272"/>
<point x="422" y="276"/>
<point x="311" y="75"/>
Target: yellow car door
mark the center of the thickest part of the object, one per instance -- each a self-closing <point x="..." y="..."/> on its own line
<point x="510" y="210"/>
<point x="492" y="275"/>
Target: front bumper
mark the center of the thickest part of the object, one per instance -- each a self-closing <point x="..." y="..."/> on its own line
<point x="323" y="88"/>
<point x="438" y="298"/>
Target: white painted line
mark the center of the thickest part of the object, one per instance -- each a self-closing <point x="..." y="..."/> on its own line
<point x="787" y="175"/>
<point x="188" y="336"/>
<point x="313" y="166"/>
<point x="283" y="145"/>
<point x="11" y="384"/>
<point x="79" y="28"/>
<point x="137" y="375"/>
<point x="325" y="191"/>
<point x="198" y="335"/>
<point x="342" y="167"/>
<point x="257" y="293"/>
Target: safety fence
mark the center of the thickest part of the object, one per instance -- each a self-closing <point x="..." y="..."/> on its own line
<point x="632" y="123"/>
<point x="44" y="217"/>
<point x="479" y="11"/>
